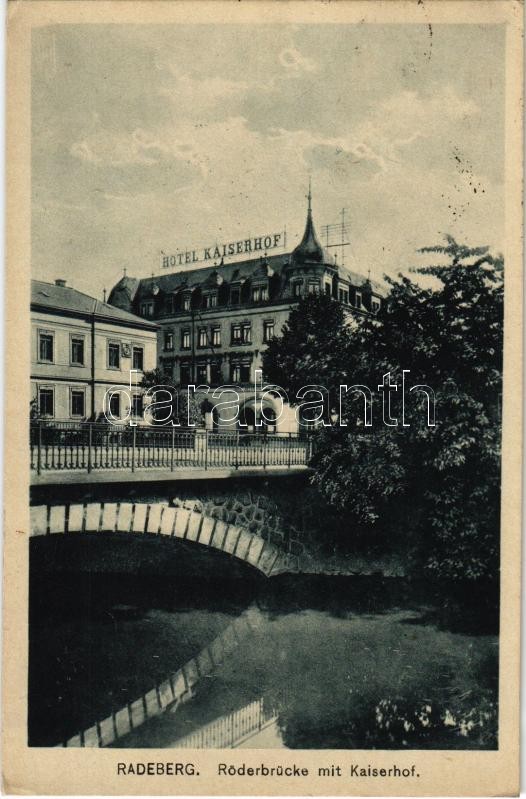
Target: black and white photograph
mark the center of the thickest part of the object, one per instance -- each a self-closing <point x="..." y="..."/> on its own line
<point x="268" y="269"/>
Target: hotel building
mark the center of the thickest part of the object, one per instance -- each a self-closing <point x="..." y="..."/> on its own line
<point x="215" y="321"/>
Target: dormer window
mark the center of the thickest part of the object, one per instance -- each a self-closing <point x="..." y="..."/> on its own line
<point x="235" y="295"/>
<point x="343" y="295"/>
<point x="260" y="294"/>
<point x="210" y="300"/>
<point x="314" y="287"/>
<point x="359" y="300"/>
<point x="186" y="302"/>
<point x="147" y="308"/>
<point x="328" y="288"/>
<point x="375" y="305"/>
<point x="297" y="289"/>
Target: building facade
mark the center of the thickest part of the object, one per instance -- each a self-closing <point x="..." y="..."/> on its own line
<point x="216" y="321"/>
<point x="79" y="348"/>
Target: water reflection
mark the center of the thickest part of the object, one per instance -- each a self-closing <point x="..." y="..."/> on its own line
<point x="301" y="663"/>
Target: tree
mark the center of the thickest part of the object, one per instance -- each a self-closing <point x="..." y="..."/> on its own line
<point x="311" y="349"/>
<point x="437" y="487"/>
<point x="180" y="407"/>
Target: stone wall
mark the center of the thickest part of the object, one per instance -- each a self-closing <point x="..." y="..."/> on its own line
<point x="284" y="512"/>
<point x="248" y="508"/>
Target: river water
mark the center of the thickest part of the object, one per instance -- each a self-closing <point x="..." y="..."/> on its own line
<point x="319" y="663"/>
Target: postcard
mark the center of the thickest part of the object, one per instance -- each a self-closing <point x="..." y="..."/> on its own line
<point x="264" y="396"/>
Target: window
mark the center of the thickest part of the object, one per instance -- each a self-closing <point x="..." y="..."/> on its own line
<point x="235" y="295"/>
<point x="138" y="358"/>
<point x="215" y="372"/>
<point x="328" y="289"/>
<point x="375" y="305"/>
<point x="210" y="300"/>
<point x="168" y="340"/>
<point x="358" y="299"/>
<point x="137" y="406"/>
<point x="202" y="338"/>
<point x="115" y="405"/>
<point x="185" y="376"/>
<point x="185" y="339"/>
<point x="216" y="336"/>
<point x="201" y="376"/>
<point x="314" y="287"/>
<point x="240" y="372"/>
<point x="297" y="289"/>
<point x="268" y="330"/>
<point x="260" y="294"/>
<point x="45" y="347"/>
<point x="247" y="333"/>
<point x="46" y="402"/>
<point x="343" y="295"/>
<point x="114" y="355"/>
<point x="186" y="302"/>
<point x="147" y="308"/>
<point x="236" y="334"/>
<point x="77" y="351"/>
<point x="77" y="402"/>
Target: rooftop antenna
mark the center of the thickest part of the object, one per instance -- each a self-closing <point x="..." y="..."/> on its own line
<point x="336" y="235"/>
<point x="343" y="236"/>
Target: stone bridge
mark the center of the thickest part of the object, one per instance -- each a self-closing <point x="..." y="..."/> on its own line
<point x="158" y="519"/>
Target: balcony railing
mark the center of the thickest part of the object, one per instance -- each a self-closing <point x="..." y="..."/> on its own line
<point x="66" y="446"/>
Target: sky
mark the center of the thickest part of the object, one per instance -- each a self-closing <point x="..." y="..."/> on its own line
<point x="149" y="138"/>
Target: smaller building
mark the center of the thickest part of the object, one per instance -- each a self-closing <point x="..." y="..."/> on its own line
<point x="80" y="347"/>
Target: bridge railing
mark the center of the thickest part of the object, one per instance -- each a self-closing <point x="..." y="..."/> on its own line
<point x="88" y="447"/>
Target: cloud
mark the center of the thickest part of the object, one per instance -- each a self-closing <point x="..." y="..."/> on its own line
<point x="291" y="58"/>
<point x="160" y="148"/>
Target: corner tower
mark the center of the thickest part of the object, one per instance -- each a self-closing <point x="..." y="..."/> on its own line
<point x="311" y="269"/>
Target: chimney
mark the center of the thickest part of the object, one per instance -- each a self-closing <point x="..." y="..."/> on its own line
<point x="60" y="282"/>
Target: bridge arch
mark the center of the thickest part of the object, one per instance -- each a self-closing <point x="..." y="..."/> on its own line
<point x="136" y="519"/>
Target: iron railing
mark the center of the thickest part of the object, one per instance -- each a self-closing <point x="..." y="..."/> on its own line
<point x="87" y="447"/>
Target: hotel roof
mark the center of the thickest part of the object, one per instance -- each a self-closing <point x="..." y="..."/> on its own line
<point x="238" y="271"/>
